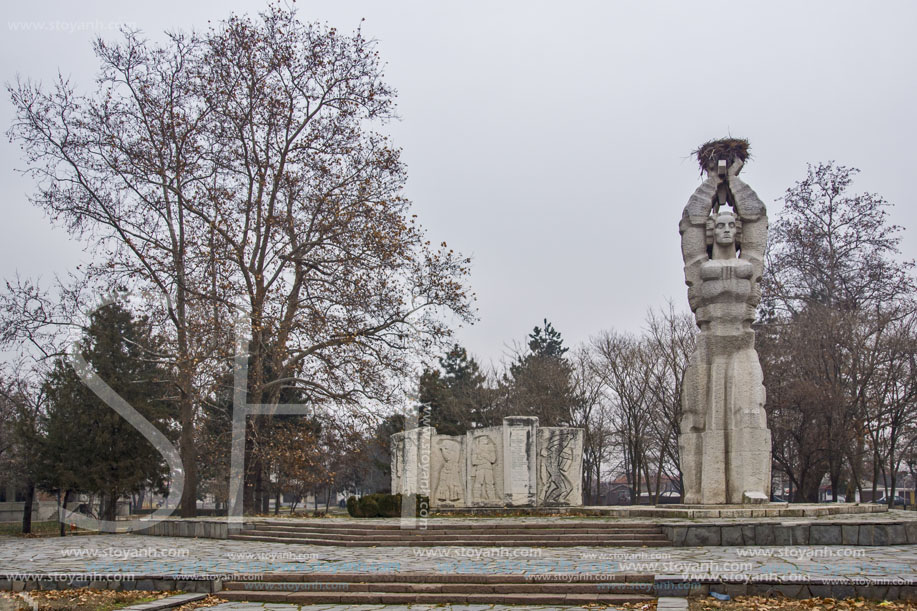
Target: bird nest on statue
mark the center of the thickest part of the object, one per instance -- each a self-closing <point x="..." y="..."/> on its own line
<point x="729" y="149"/>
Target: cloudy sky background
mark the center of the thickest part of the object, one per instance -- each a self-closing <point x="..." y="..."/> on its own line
<point x="551" y="141"/>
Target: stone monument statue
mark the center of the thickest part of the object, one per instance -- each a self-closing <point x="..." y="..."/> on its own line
<point x="725" y="445"/>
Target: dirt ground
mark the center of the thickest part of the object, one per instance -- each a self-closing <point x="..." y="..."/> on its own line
<point x="763" y="603"/>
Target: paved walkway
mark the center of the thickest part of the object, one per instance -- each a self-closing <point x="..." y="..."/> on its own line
<point x="136" y="554"/>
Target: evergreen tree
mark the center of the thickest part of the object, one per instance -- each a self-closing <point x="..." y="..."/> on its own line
<point x="88" y="447"/>
<point x="456" y="395"/>
<point x="540" y="382"/>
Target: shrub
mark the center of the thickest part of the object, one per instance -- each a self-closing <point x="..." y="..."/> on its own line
<point x="353" y="507"/>
<point x="382" y="505"/>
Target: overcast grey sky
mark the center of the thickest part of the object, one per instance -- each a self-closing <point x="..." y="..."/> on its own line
<point x="550" y="141"/>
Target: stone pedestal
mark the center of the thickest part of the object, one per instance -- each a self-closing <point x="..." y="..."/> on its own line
<point x="518" y="464"/>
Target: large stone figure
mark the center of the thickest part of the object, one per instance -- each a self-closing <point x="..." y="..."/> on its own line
<point x="725" y="446"/>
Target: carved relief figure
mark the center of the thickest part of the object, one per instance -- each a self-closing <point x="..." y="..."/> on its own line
<point x="397" y="464"/>
<point x="556" y="459"/>
<point x="725" y="444"/>
<point x="483" y="458"/>
<point x="449" y="486"/>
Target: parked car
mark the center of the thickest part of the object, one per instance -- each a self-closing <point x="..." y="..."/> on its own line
<point x="898" y="501"/>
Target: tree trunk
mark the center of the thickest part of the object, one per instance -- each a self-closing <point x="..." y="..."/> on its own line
<point x="258" y="492"/>
<point x="27" y="507"/>
<point x="187" y="447"/>
<point x="875" y="474"/>
<point x="277" y="503"/>
<point x="60" y="513"/>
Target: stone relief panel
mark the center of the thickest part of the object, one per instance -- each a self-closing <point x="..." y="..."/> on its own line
<point x="560" y="466"/>
<point x="517" y="464"/>
<point x="485" y="466"/>
<point x="415" y="463"/>
<point x="448" y="467"/>
<point x="397" y="461"/>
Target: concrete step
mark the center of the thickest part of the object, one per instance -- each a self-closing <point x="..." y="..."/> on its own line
<point x="444" y="588"/>
<point x="369" y="524"/>
<point x="452" y="531"/>
<point x="404" y="598"/>
<point x="619" y="579"/>
<point x="449" y="536"/>
<point x="469" y="542"/>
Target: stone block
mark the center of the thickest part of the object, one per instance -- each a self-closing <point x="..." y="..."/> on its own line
<point x="840" y="590"/>
<point x="748" y="534"/>
<point x="698" y="535"/>
<point x="678" y="535"/>
<point x="670" y="585"/>
<point x="890" y="534"/>
<point x="764" y="534"/>
<point x="800" y="534"/>
<point x="731" y="535"/>
<point x="783" y="534"/>
<point x="819" y="590"/>
<point x="197" y="586"/>
<point x="849" y="534"/>
<point x="910" y="531"/>
<point x="908" y="593"/>
<point x="788" y="590"/>
<point x="825" y="534"/>
<point x="867" y="535"/>
<point x="163" y="585"/>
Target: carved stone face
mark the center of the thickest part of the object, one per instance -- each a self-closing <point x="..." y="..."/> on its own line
<point x="725" y="229"/>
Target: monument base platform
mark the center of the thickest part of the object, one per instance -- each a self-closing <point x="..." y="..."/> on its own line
<point x="764" y="510"/>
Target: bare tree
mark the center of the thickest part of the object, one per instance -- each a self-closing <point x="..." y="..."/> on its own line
<point x="625" y="366"/>
<point x="670" y="336"/>
<point x="237" y="171"/>
<point x="833" y="287"/>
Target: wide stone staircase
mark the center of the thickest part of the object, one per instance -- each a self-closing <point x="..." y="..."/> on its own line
<point x="426" y="588"/>
<point x="502" y="533"/>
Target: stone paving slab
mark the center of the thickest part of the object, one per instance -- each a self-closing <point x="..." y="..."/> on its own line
<point x="169" y="602"/>
<point x="184" y="557"/>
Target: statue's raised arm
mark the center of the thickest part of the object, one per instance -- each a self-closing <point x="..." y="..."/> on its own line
<point x="751" y="211"/>
<point x="693" y="229"/>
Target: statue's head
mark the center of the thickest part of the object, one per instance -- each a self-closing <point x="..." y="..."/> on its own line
<point x="725" y="228"/>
